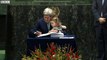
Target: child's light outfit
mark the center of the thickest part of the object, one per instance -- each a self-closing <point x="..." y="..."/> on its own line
<point x="59" y="34"/>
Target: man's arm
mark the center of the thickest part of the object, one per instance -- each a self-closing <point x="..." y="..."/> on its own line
<point x="35" y="30"/>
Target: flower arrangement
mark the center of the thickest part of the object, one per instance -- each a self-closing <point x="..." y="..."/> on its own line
<point x="53" y="52"/>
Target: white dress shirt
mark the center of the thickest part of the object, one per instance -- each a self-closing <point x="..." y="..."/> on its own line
<point x="102" y="5"/>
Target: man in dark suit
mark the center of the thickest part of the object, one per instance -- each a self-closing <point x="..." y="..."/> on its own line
<point x="99" y="9"/>
<point x="43" y="24"/>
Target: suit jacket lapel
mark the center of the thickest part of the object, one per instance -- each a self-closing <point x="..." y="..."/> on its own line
<point x="99" y="2"/>
<point x="104" y="5"/>
<point x="104" y="2"/>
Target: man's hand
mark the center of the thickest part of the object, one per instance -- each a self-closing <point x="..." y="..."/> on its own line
<point x="102" y="20"/>
<point x="37" y="33"/>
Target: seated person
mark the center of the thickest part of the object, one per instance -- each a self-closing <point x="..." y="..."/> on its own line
<point x="56" y="24"/>
<point x="43" y="24"/>
<point x="56" y="31"/>
<point x="57" y="28"/>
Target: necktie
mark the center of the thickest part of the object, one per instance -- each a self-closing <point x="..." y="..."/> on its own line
<point x="48" y="25"/>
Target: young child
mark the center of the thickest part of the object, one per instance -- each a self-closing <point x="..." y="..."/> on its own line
<point x="56" y="31"/>
<point x="57" y="27"/>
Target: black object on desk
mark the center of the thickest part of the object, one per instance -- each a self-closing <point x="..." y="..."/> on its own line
<point x="42" y="42"/>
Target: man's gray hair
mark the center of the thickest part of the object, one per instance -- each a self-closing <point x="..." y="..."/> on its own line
<point x="48" y="11"/>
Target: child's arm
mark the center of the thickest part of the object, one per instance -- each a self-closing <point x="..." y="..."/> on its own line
<point x="63" y="27"/>
<point x="53" y="30"/>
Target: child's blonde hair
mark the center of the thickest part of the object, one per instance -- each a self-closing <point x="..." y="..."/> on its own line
<point x="56" y="11"/>
<point x="56" y="20"/>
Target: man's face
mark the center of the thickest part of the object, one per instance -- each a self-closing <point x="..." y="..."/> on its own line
<point x="47" y="18"/>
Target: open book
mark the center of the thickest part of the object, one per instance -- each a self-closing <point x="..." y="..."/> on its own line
<point x="46" y="34"/>
<point x="52" y="34"/>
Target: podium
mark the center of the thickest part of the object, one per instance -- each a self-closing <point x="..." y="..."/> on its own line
<point x="33" y="43"/>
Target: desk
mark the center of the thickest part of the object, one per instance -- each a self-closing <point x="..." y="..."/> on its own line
<point x="42" y="42"/>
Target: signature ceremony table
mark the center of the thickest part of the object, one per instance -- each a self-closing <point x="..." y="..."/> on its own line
<point x="42" y="42"/>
